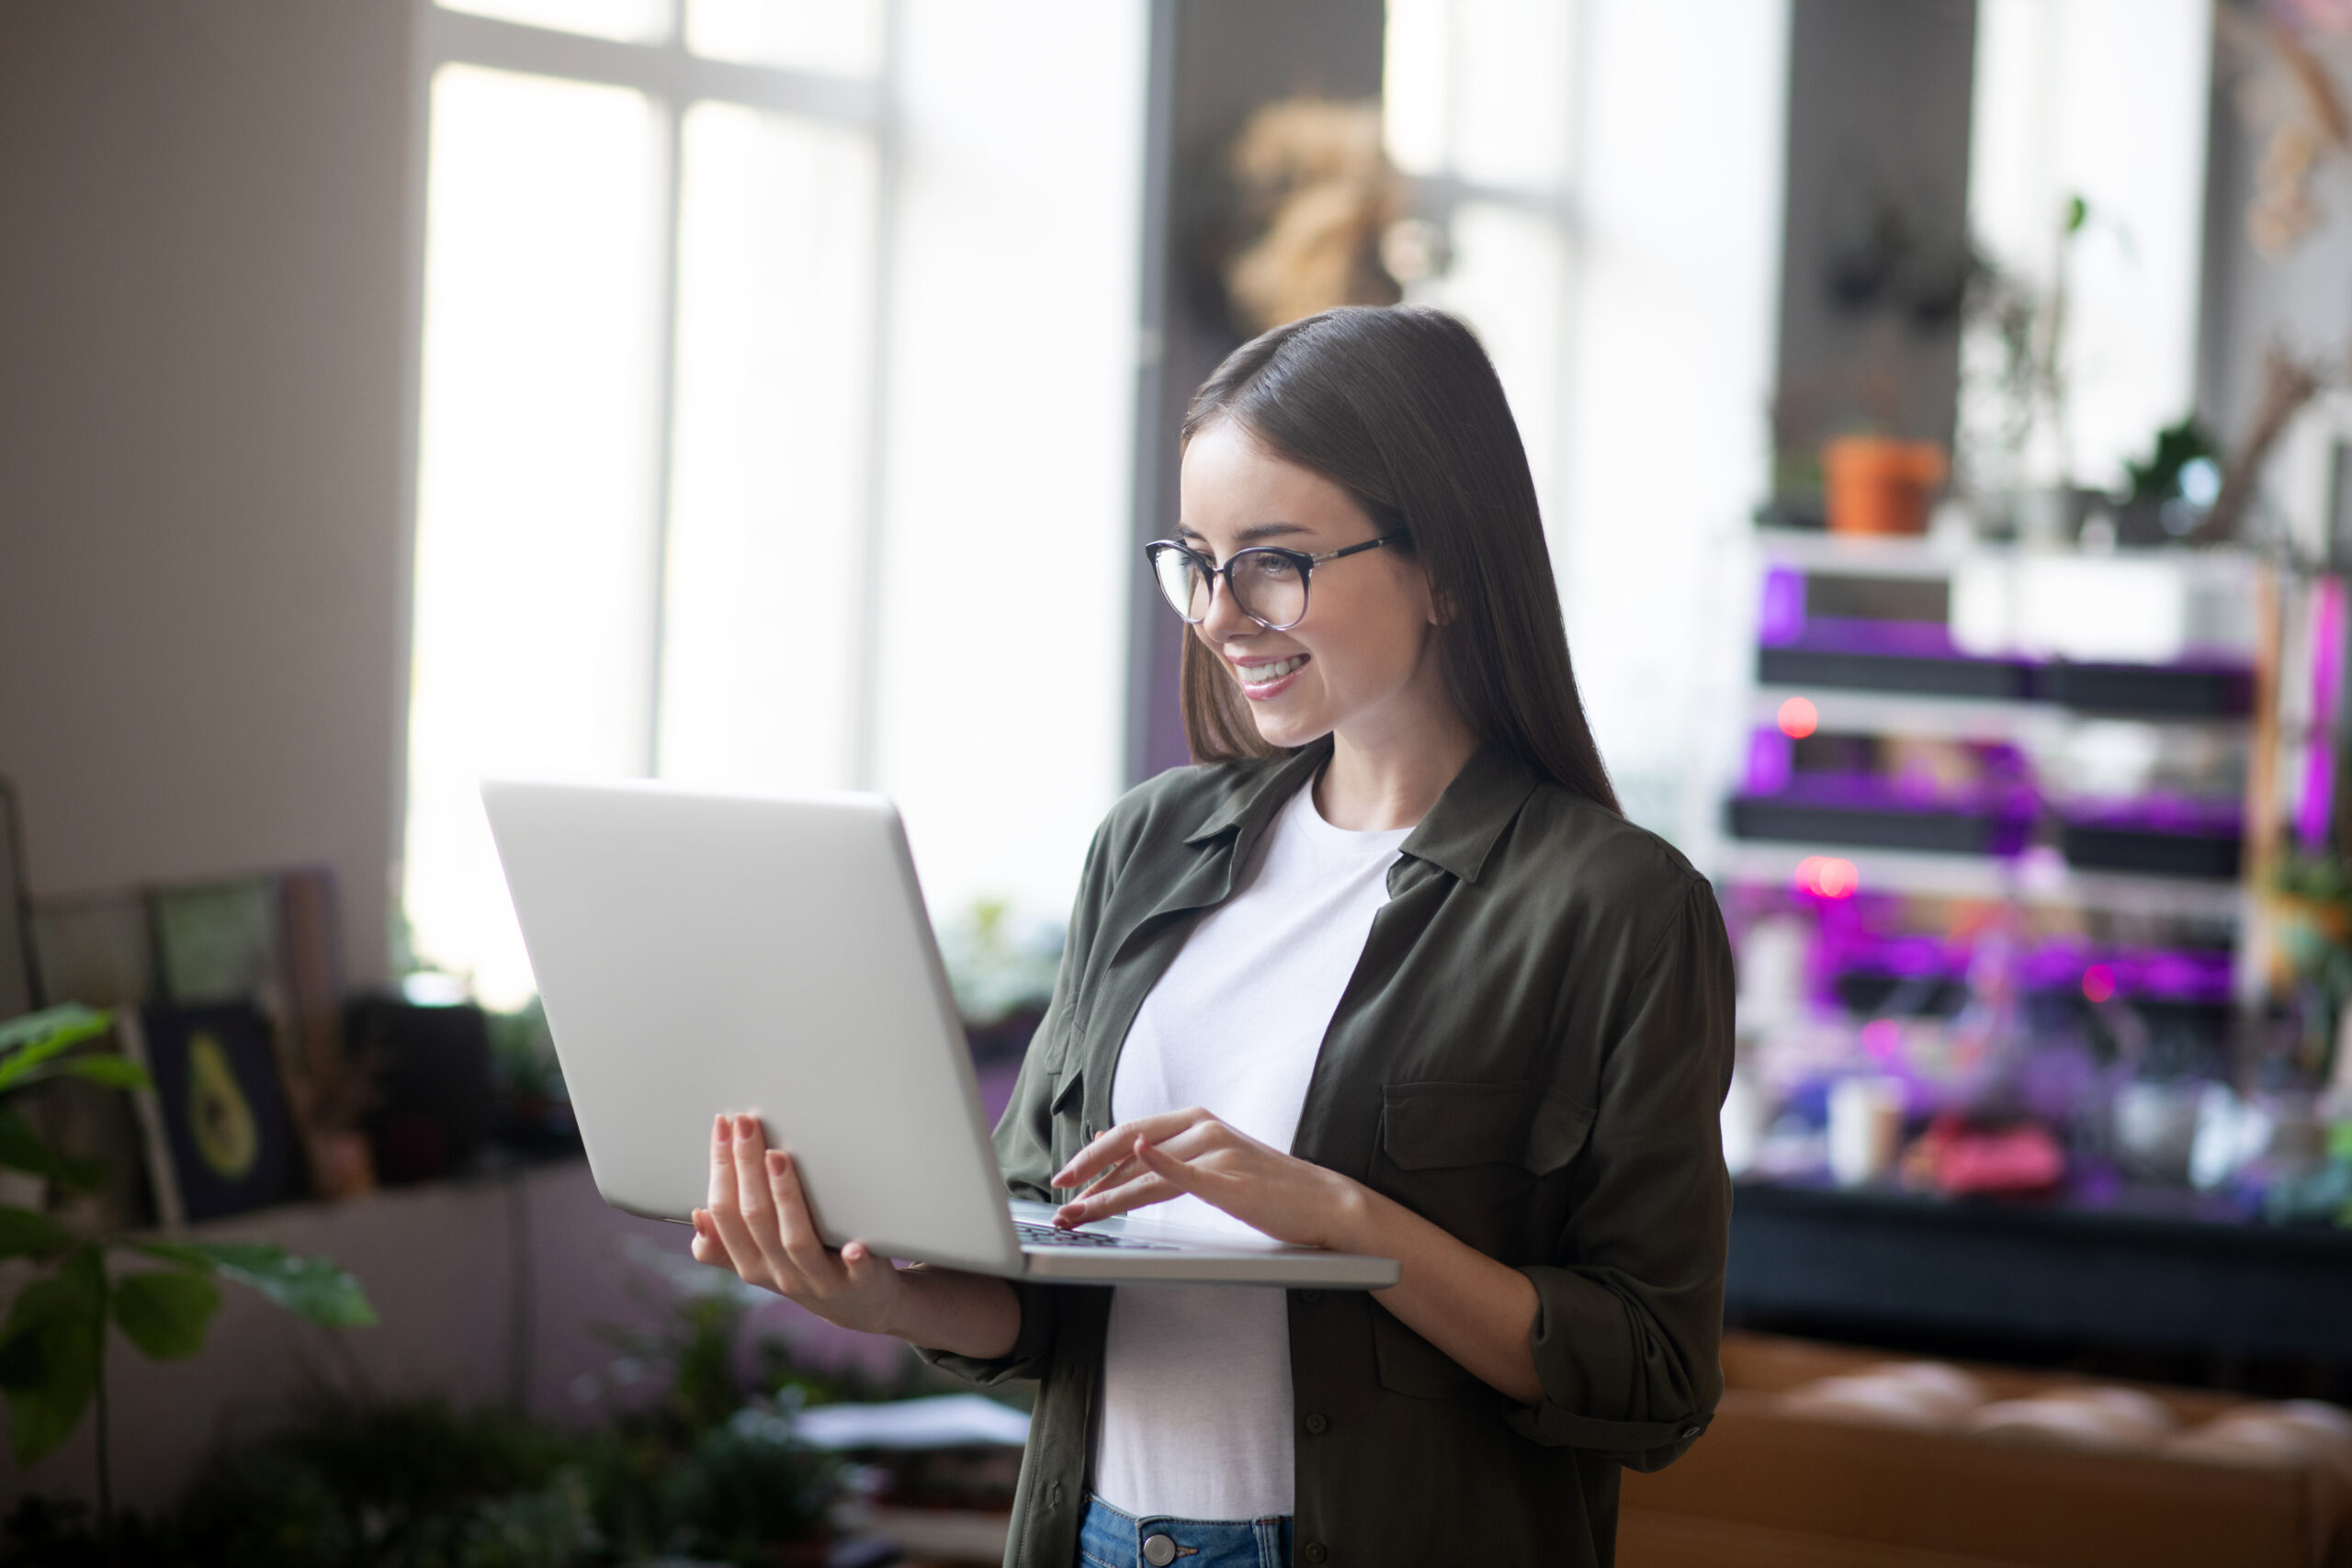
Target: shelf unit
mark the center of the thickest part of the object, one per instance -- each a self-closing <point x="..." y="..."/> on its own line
<point x="2038" y="876"/>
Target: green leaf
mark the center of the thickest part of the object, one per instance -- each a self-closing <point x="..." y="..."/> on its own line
<point x="48" y="1354"/>
<point x="76" y="1021"/>
<point x="315" y="1287"/>
<point x="113" y="1071"/>
<point x="26" y="1043"/>
<point x="24" y="1232"/>
<point x="165" y="1313"/>
<point x="21" y="1150"/>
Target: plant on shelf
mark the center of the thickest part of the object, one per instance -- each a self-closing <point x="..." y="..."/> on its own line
<point x="53" y="1338"/>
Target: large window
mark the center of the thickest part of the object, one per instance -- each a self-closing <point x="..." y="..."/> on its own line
<point x="770" y="347"/>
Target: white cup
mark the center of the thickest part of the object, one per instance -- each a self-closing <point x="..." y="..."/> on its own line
<point x="1865" y="1129"/>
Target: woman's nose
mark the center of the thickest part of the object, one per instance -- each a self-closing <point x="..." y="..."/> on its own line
<point x="1224" y="617"/>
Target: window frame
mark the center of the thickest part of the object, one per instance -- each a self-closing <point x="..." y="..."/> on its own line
<point x="672" y="80"/>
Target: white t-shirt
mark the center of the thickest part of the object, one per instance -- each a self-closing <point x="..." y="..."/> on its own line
<point x="1196" y="1406"/>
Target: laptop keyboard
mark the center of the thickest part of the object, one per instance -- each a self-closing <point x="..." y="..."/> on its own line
<point x="1050" y="1235"/>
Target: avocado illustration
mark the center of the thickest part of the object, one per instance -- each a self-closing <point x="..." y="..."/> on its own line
<point x="218" y="1111"/>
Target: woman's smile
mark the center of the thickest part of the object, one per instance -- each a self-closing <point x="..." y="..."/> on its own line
<point x="1264" y="678"/>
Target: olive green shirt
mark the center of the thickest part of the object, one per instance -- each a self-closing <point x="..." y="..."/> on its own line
<point x="1531" y="1053"/>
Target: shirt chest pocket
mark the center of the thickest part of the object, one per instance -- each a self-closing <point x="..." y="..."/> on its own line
<point x="1483" y="1161"/>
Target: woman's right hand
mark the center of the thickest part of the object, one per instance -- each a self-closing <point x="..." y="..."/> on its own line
<point x="758" y="1225"/>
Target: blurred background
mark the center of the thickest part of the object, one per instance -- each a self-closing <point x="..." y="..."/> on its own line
<point x="1942" y="415"/>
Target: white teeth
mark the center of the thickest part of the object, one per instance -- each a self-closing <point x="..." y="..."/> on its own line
<point x="1258" y="674"/>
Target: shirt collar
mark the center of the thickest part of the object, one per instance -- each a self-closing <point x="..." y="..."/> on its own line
<point x="1456" y="836"/>
<point x="1253" y="804"/>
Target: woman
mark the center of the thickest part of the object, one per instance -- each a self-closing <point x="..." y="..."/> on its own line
<point x="1387" y="973"/>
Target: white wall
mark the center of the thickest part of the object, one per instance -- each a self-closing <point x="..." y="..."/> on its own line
<point x="200" y="469"/>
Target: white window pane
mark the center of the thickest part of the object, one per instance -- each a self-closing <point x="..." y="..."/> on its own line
<point x="1509" y="280"/>
<point x="1511" y="78"/>
<point x="1414" y="70"/>
<point x="2104" y="100"/>
<point x="631" y="21"/>
<point x="841" y="36"/>
<point x="765" y="585"/>
<point x="1011" y="427"/>
<point x="532" y="609"/>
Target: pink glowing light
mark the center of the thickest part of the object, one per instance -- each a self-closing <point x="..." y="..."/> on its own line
<point x="1827" y="876"/>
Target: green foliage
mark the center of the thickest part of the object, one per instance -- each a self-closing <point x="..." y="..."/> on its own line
<point x="34" y="1047"/>
<point x="24" y="1233"/>
<point x="2317" y="879"/>
<point x="165" y="1314"/>
<point x="522" y="1053"/>
<point x="53" y="1341"/>
<point x="740" y="1491"/>
<point x="394" y="1485"/>
<point x="2177" y="446"/>
<point x="700" y="1464"/>
<point x="21" y="1150"/>
<point x="997" y="963"/>
<point x="49" y="1347"/>
<point x="313" y="1288"/>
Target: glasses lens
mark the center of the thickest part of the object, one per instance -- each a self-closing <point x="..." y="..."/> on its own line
<point x="1182" y="580"/>
<point x="1269" y="587"/>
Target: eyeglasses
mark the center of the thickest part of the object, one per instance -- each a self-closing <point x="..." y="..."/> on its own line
<point x="1269" y="585"/>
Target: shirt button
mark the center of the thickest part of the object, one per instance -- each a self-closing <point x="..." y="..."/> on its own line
<point x="1310" y="1295"/>
<point x="1159" y="1550"/>
<point x="1316" y="1423"/>
<point x="1314" y="1551"/>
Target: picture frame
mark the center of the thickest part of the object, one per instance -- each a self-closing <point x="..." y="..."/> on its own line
<point x="220" y="1136"/>
<point x="96" y="948"/>
<point x="20" y="987"/>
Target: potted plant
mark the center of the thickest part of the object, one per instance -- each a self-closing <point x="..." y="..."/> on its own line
<point x="53" y="1338"/>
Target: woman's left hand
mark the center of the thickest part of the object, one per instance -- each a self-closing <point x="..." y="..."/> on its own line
<point x="1153" y="1159"/>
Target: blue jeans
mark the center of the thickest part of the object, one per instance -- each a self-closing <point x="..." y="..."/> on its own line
<point x="1110" y="1538"/>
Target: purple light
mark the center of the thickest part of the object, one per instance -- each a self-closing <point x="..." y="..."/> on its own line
<point x="1782" y="615"/>
<point x="1771" y="760"/>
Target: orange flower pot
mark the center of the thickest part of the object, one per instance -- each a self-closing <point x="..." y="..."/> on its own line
<point x="1878" y="486"/>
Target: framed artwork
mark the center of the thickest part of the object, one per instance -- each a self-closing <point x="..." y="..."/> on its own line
<point x="97" y="950"/>
<point x="216" y="941"/>
<point x="20" y="989"/>
<point x="219" y="1136"/>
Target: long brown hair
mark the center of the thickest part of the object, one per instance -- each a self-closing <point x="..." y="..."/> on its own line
<point x="1398" y="406"/>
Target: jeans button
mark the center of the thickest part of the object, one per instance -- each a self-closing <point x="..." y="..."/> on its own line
<point x="1159" y="1550"/>
<point x="1313" y="1552"/>
<point x="1317" y="1424"/>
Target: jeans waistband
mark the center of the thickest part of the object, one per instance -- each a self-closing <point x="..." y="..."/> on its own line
<point x="1110" y="1538"/>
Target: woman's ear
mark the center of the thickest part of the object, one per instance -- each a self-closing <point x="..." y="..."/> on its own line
<point x="1442" y="608"/>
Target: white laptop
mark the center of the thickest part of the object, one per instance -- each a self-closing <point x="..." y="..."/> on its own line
<point x="700" y="952"/>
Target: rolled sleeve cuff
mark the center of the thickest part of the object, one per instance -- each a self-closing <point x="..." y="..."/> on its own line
<point x="1032" y="1349"/>
<point x="1640" y="1445"/>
